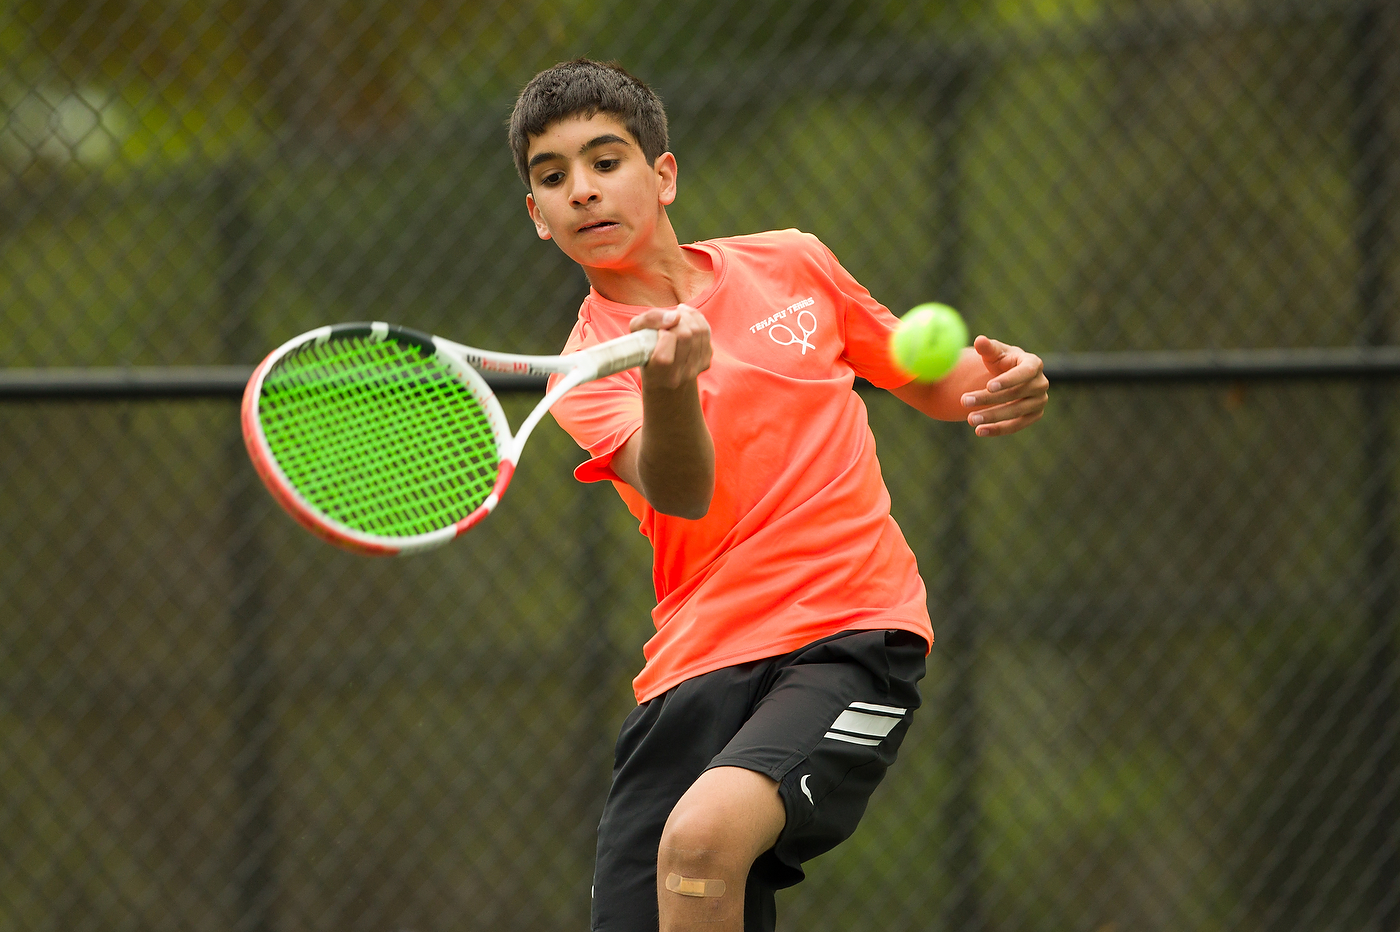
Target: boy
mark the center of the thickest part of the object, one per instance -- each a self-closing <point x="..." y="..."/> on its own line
<point x="791" y="622"/>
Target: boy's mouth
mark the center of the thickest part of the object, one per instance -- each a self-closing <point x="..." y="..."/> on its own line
<point x="597" y="225"/>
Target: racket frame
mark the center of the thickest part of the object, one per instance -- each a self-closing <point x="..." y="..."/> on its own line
<point x="466" y="363"/>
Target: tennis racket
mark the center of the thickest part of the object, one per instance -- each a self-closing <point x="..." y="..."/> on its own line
<point x="385" y="440"/>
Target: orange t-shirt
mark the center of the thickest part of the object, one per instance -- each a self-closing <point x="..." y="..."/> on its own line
<point x="798" y="543"/>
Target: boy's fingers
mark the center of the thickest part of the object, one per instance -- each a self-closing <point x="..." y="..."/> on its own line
<point x="1036" y="386"/>
<point x="1010" y="416"/>
<point x="659" y="318"/>
<point x="665" y="351"/>
<point x="1006" y="419"/>
<point x="1002" y="358"/>
<point x="682" y="348"/>
<point x="1003" y="428"/>
<point x="994" y="353"/>
<point x="986" y="345"/>
<point x="1008" y="411"/>
<point x="1025" y="372"/>
<point x="654" y="319"/>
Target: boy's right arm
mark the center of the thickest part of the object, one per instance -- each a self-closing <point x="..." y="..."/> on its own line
<point x="671" y="460"/>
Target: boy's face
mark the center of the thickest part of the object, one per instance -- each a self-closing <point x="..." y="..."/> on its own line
<point x="593" y="193"/>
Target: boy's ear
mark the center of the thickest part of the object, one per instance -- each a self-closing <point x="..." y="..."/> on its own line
<point x="666" y="171"/>
<point x="541" y="228"/>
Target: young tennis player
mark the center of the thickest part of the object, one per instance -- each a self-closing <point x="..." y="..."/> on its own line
<point x="791" y="623"/>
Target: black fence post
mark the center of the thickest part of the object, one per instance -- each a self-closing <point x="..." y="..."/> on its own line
<point x="597" y="663"/>
<point x="1373" y="84"/>
<point x="952" y="604"/>
<point x="250" y="665"/>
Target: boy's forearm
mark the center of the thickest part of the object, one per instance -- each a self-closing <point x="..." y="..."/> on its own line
<point x="997" y="388"/>
<point x="942" y="400"/>
<point x="671" y="460"/>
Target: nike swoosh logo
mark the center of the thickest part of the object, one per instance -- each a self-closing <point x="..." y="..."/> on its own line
<point x="806" y="792"/>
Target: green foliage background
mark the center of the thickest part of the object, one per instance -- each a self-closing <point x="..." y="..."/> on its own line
<point x="1169" y="583"/>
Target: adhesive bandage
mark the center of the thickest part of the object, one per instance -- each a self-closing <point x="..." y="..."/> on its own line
<point x="689" y="886"/>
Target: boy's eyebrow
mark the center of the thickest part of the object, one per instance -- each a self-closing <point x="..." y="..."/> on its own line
<point x="595" y="142"/>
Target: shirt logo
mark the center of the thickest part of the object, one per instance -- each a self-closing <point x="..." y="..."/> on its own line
<point x="792" y="338"/>
<point x="782" y="334"/>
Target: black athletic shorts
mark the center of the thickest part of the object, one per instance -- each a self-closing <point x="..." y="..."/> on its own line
<point x="824" y="721"/>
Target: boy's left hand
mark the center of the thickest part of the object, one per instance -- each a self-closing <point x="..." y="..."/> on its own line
<point x="1016" y="390"/>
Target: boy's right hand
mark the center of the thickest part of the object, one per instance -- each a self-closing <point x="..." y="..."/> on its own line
<point x="682" y="347"/>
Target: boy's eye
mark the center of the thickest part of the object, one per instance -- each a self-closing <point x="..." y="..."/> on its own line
<point x="551" y="178"/>
<point x="606" y="165"/>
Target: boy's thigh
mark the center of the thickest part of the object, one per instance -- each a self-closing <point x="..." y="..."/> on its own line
<point x="827" y="730"/>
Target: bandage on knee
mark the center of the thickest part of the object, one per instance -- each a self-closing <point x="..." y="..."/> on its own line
<point x="689" y="886"/>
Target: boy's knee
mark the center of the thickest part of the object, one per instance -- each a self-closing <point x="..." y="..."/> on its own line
<point x="695" y="841"/>
<point x="728" y="819"/>
<point x="700" y="870"/>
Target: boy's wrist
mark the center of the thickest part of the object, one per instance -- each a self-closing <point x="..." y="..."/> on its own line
<point x="657" y="389"/>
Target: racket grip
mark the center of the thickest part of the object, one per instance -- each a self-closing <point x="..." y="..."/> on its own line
<point x="622" y="353"/>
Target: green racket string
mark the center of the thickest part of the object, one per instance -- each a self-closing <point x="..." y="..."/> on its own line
<point x="378" y="435"/>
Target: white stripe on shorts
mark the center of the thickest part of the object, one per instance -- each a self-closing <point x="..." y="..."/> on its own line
<point x="852" y="739"/>
<point x="863" y="723"/>
<point x="872" y="707"/>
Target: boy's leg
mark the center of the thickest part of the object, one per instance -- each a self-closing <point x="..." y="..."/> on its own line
<point x="727" y="818"/>
<point x="664" y="747"/>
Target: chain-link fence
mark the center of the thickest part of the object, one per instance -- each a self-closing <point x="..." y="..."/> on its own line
<point x="1164" y="694"/>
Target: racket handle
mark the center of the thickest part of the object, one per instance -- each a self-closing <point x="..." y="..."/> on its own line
<point x="622" y="353"/>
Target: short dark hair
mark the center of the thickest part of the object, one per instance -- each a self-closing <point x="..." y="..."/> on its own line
<point x="583" y="87"/>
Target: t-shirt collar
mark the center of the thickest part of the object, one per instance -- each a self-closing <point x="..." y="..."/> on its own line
<point x="710" y="249"/>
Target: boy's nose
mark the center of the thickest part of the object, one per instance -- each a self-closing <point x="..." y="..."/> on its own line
<point x="583" y="192"/>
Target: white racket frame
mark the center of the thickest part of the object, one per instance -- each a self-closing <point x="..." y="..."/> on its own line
<point x="467" y="362"/>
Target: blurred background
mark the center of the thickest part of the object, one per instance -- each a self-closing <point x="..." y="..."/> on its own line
<point x="1164" y="694"/>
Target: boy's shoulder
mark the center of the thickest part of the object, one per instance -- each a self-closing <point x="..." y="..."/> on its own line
<point x="786" y="242"/>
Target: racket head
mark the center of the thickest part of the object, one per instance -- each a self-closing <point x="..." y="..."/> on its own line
<point x="375" y="438"/>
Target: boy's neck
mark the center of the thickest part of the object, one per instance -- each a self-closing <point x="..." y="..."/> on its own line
<point x="667" y="276"/>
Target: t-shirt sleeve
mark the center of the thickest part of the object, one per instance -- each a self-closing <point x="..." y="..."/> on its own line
<point x="599" y="415"/>
<point x="869" y="325"/>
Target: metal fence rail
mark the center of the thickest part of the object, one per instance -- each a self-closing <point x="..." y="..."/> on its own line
<point x="168" y="382"/>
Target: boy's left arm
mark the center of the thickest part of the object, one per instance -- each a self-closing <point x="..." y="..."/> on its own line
<point x="999" y="389"/>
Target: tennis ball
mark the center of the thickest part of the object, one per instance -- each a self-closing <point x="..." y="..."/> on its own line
<point x="928" y="341"/>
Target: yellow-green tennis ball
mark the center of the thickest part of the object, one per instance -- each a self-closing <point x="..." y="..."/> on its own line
<point x="928" y="341"/>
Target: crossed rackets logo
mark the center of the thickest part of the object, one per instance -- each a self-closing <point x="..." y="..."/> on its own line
<point x="802" y="319"/>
